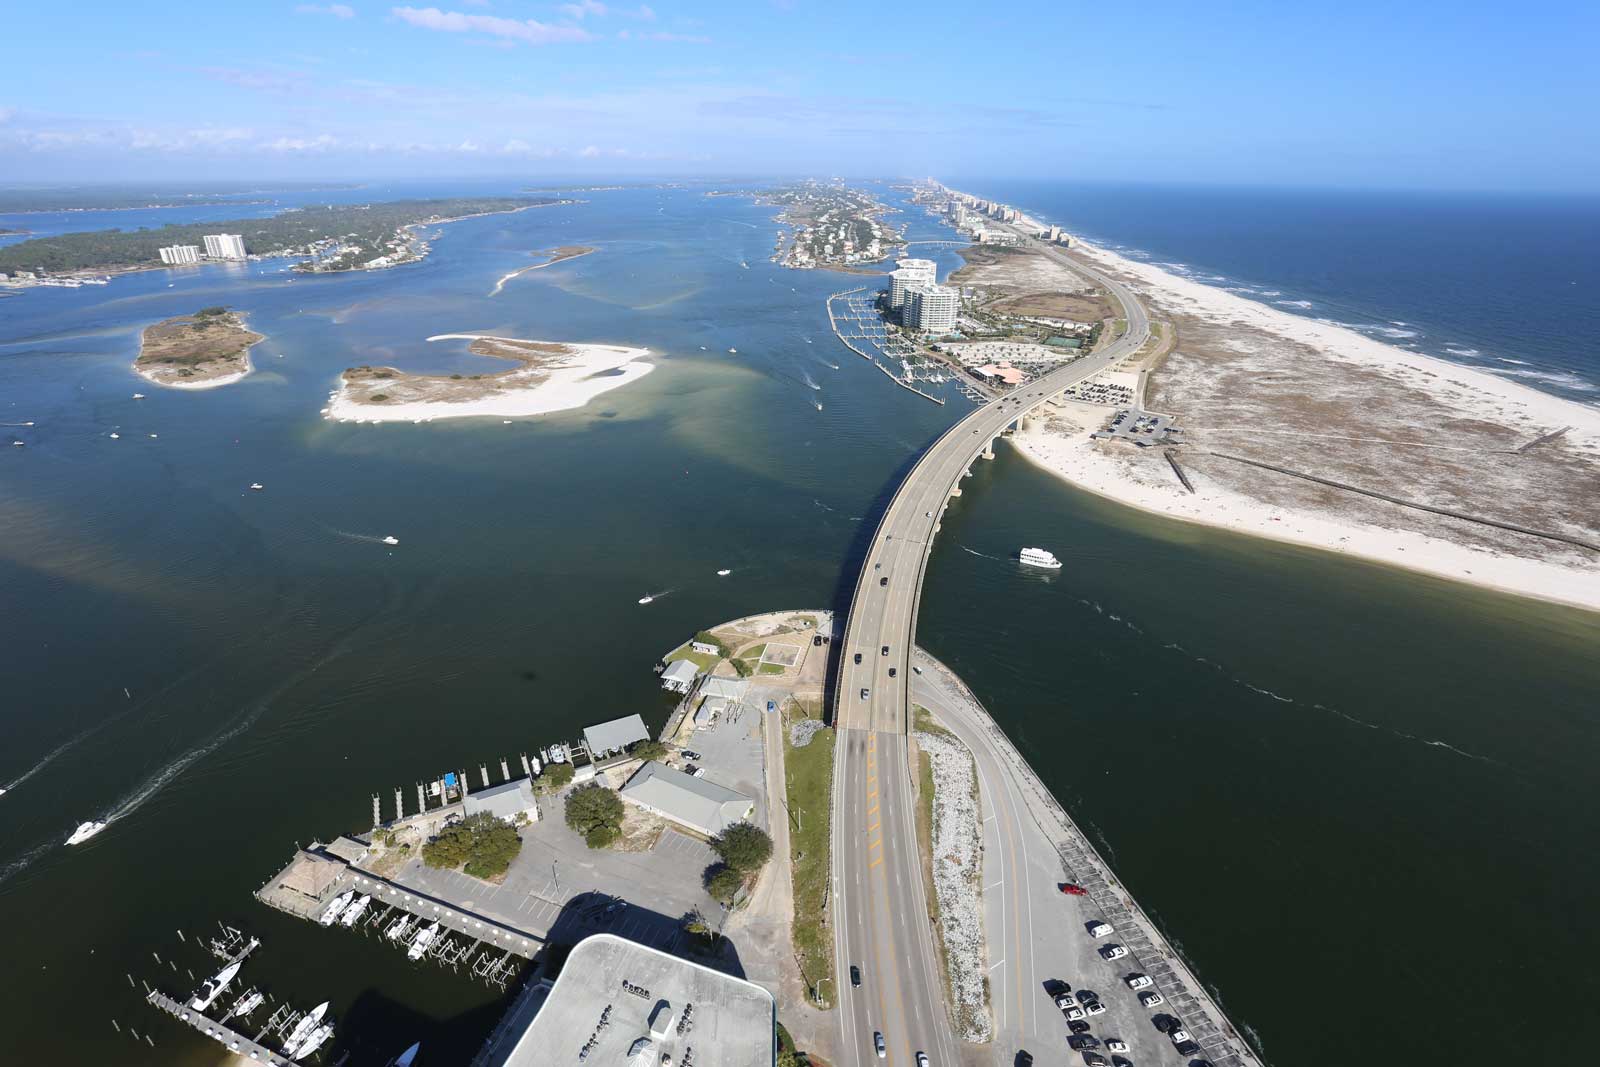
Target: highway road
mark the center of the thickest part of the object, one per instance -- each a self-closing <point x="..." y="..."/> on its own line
<point x="881" y="921"/>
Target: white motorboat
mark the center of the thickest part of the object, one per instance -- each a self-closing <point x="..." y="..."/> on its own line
<point x="116" y="437"/>
<point x="313" y="1041"/>
<point x="354" y="912"/>
<point x="1038" y="557"/>
<point x="138" y="396"/>
<point x="212" y="987"/>
<point x="336" y="909"/>
<point x="303" y="1029"/>
<point x="257" y="486"/>
<point x="391" y="540"/>
<point x="245" y="1005"/>
<point x="723" y="573"/>
<point x="420" y="944"/>
<point x="400" y="928"/>
<point x="735" y="351"/>
<point x="85" y="831"/>
<point x="405" y="1058"/>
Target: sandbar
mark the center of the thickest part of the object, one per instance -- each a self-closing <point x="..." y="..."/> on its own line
<point x="556" y="255"/>
<point x="549" y="376"/>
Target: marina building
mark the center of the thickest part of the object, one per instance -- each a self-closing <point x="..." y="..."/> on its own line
<point x="931" y="308"/>
<point x="679" y="676"/>
<point x="910" y="272"/>
<point x="224" y="246"/>
<point x="620" y="1002"/>
<point x="615" y="736"/>
<point x="180" y="255"/>
<point x="702" y="806"/>
<point x="508" y="801"/>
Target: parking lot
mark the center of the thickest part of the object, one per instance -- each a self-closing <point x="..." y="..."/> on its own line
<point x="1143" y="428"/>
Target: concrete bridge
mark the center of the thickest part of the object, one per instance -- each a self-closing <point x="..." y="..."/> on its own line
<point x="881" y="915"/>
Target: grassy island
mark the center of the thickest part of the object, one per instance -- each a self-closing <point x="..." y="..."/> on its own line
<point x="199" y="351"/>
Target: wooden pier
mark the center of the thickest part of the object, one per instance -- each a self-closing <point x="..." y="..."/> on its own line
<point x="231" y="1039"/>
<point x="856" y="316"/>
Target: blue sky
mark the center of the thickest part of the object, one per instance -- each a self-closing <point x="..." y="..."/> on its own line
<point x="1421" y="95"/>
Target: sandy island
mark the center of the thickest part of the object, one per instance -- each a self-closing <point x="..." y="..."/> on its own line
<point x="206" y="350"/>
<point x="554" y="256"/>
<point x="1254" y="385"/>
<point x="549" y="376"/>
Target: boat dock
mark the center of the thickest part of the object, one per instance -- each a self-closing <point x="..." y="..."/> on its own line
<point x="234" y="1041"/>
<point x="867" y="327"/>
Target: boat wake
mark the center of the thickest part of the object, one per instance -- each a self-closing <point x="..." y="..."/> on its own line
<point x="367" y="538"/>
<point x="812" y="382"/>
<point x="983" y="555"/>
<point x="50" y="757"/>
<point x="651" y="597"/>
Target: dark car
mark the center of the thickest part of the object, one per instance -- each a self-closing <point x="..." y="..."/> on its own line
<point x="1188" y="1048"/>
<point x="884" y="651"/>
<point x="1078" y="1026"/>
<point x="855" y="975"/>
<point x="1086" y="995"/>
<point x="858" y="657"/>
<point x="1083" y="1041"/>
<point x="884" y="580"/>
<point x="1024" y="1058"/>
<point x="891" y="672"/>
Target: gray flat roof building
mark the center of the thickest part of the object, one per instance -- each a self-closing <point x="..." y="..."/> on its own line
<point x="504" y="801"/>
<point x="614" y="736"/>
<point x="696" y="803"/>
<point x="679" y="675"/>
<point x="652" y="1005"/>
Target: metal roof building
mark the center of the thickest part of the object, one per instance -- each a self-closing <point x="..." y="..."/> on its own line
<point x="505" y="801"/>
<point x="614" y="736"/>
<point x="696" y="803"/>
<point x="620" y="1002"/>
<point x="679" y="675"/>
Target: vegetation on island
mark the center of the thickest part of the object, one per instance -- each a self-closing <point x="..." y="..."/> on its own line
<point x="17" y="201"/>
<point x="481" y="845"/>
<point x="211" y="343"/>
<point x="356" y="232"/>
<point x="595" y="812"/>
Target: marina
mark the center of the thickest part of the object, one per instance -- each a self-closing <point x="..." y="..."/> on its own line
<point x="861" y="329"/>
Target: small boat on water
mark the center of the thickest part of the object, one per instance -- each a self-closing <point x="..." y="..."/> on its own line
<point x="245" y="1005"/>
<point x="116" y="437"/>
<point x="646" y="599"/>
<point x="138" y="396"/>
<point x="257" y="486"/>
<point x="419" y="944"/>
<point x="391" y="540"/>
<point x="303" y="1029"/>
<point x="734" y="351"/>
<point x="336" y="909"/>
<point x="313" y="1041"/>
<point x="405" y="1058"/>
<point x="1038" y="557"/>
<point x="212" y="988"/>
<point x="85" y="831"/>
<point x="353" y="913"/>
<point x="724" y="573"/>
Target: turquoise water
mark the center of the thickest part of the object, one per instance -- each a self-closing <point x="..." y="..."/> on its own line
<point x="226" y="673"/>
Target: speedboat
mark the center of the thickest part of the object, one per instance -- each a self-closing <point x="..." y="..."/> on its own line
<point x="116" y="437"/>
<point x="1038" y="557"/>
<point x="646" y="599"/>
<point x="257" y="486"/>
<point x="313" y="1041"/>
<point x="391" y="540"/>
<point x="336" y="909"/>
<point x="245" y="1005"/>
<point x="85" y="831"/>
<point x="720" y="574"/>
<point x="354" y="911"/>
<point x="735" y="351"/>
<point x="303" y="1029"/>
<point x="400" y="928"/>
<point x="138" y="396"/>
<point x="213" y="986"/>
<point x="405" y="1058"/>
<point x="419" y="946"/>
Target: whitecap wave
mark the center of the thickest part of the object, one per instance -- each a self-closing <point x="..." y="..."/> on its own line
<point x="1294" y="303"/>
<point x="1563" y="379"/>
<point x="1470" y="353"/>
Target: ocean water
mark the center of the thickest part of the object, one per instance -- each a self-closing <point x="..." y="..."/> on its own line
<point x="1334" y="783"/>
<point x="1506" y="283"/>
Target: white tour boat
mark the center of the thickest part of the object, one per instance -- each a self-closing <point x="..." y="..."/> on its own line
<point x="1038" y="557"/>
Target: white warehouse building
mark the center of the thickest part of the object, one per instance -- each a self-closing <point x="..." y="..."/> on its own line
<point x="224" y="246"/>
<point x="931" y="308"/>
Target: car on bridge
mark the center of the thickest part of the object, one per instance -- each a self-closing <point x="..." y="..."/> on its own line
<point x="858" y="657"/>
<point x="865" y="692"/>
<point x="877" y="1043"/>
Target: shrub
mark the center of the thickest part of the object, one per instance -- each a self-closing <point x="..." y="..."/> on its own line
<point x="211" y="312"/>
<point x="481" y="845"/>
<point x="378" y="398"/>
<point x="647" y="750"/>
<point x="743" y="846"/>
<point x="595" y="812"/>
<point x="723" y="883"/>
<point x="554" y="778"/>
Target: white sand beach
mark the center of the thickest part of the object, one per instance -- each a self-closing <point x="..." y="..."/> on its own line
<point x="208" y="383"/>
<point x="1468" y="398"/>
<point x="581" y="373"/>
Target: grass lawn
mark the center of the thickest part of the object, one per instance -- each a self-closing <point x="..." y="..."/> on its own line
<point x="699" y="659"/>
<point x="772" y="668"/>
<point x="810" y="773"/>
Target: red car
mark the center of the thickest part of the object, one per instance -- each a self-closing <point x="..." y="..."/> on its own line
<point x="1073" y="890"/>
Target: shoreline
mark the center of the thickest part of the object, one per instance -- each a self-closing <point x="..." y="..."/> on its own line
<point x="586" y="371"/>
<point x="556" y="257"/>
<point x="240" y="322"/>
<point x="1136" y="478"/>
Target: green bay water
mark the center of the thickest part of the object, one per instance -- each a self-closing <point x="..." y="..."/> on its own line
<point x="1337" y="786"/>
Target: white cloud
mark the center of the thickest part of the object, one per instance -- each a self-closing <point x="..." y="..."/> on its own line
<point x="529" y="31"/>
<point x="338" y="11"/>
<point x="6" y="113"/>
<point x="663" y="35"/>
<point x="298" y="145"/>
<point x="645" y="12"/>
<point x="584" y="7"/>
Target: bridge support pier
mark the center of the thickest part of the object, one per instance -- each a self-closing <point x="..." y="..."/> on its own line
<point x="988" y="452"/>
<point x="955" y="491"/>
